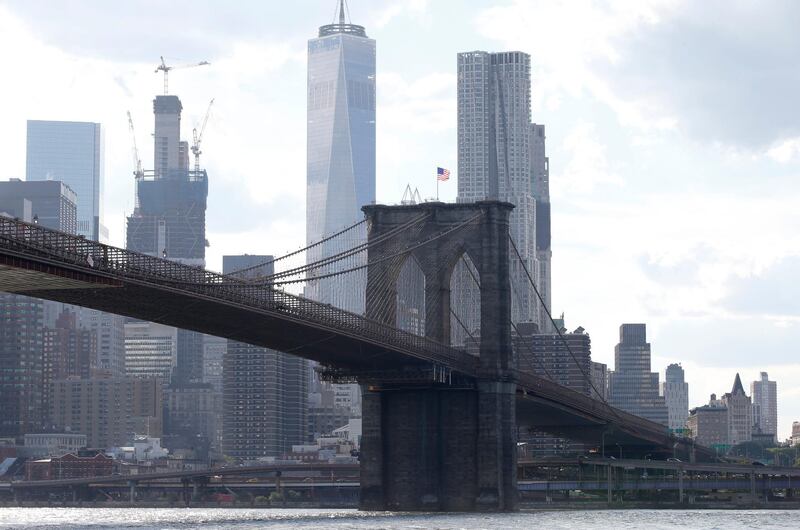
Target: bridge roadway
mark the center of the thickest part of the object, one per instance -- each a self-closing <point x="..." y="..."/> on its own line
<point x="52" y="265"/>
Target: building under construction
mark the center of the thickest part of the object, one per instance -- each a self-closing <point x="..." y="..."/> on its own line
<point x="169" y="219"/>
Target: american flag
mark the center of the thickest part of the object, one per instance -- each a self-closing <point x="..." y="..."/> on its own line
<point x="442" y="174"/>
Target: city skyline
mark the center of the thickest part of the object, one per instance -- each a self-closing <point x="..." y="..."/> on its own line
<point x="700" y="295"/>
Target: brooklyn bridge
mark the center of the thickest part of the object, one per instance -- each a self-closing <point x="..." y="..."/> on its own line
<point x="440" y="420"/>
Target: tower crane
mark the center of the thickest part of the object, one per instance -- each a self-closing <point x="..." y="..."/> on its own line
<point x="197" y="138"/>
<point x="166" y="69"/>
<point x="137" y="162"/>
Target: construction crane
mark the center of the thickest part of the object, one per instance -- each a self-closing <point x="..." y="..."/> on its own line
<point x="137" y="162"/>
<point x="166" y="69"/>
<point x="197" y="138"/>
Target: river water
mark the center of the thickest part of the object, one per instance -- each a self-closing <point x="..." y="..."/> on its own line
<point x="183" y="518"/>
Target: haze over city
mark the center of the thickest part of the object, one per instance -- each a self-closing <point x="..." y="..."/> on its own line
<point x="674" y="176"/>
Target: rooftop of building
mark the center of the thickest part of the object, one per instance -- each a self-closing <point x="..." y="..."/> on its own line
<point x="342" y="27"/>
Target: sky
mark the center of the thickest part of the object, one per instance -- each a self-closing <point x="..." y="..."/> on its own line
<point x="673" y="132"/>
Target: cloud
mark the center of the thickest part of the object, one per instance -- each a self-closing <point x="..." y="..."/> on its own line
<point x="588" y="166"/>
<point x="720" y="71"/>
<point x="785" y="151"/>
<point x="774" y="291"/>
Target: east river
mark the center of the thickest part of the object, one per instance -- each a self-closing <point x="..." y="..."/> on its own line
<point x="183" y="518"/>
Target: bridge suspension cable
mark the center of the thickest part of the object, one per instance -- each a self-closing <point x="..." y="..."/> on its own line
<point x="328" y="260"/>
<point x="239" y="272"/>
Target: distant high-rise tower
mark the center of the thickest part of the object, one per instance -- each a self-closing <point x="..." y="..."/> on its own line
<point x="340" y="168"/>
<point x="740" y="414"/>
<point x="494" y="156"/>
<point x="169" y="220"/>
<point x="765" y="405"/>
<point x="72" y="152"/>
<point x="53" y="205"/>
<point x="264" y="391"/>
<point x="675" y="391"/>
<point x="632" y="387"/>
<point x="540" y="186"/>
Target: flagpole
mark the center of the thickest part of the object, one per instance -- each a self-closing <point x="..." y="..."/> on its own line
<point x="437" y="185"/>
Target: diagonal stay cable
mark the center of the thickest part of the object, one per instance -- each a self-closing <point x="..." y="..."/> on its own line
<point x="294" y="253"/>
<point x="586" y="376"/>
<point x="385" y="258"/>
<point x="528" y="346"/>
<point x="344" y="254"/>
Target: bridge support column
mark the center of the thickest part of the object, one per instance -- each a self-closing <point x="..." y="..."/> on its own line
<point x="497" y="446"/>
<point x="438" y="448"/>
<point x="131" y="492"/>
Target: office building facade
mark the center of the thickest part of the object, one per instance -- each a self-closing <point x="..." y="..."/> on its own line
<point x="708" y="425"/>
<point x="73" y="153"/>
<point x="564" y="359"/>
<point x="68" y="351"/>
<point x="632" y="387"/>
<point x="264" y="391"/>
<point x="765" y="405"/>
<point x="53" y="205"/>
<point x="740" y="413"/>
<point x="108" y="410"/>
<point x="675" y="391"/>
<point x="151" y="350"/>
<point x="599" y="381"/>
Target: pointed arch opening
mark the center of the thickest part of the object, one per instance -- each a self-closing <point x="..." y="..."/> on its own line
<point x="410" y="288"/>
<point x="465" y="305"/>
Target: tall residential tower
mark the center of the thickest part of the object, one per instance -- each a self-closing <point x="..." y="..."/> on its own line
<point x="498" y="159"/>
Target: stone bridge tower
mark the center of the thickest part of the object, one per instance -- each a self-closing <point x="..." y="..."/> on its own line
<point x="449" y="443"/>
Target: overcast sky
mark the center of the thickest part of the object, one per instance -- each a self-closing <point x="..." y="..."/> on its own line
<point x="673" y="131"/>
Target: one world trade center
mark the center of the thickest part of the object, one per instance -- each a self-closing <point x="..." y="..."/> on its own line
<point x="341" y="155"/>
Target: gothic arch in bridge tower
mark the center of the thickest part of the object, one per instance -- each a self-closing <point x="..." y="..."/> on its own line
<point x="410" y="288"/>
<point x="465" y="304"/>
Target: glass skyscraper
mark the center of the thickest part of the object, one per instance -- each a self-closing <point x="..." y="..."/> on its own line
<point x="632" y="387"/>
<point x="340" y="167"/>
<point x="71" y="152"/>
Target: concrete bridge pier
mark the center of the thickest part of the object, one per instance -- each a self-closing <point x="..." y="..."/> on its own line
<point x="438" y="449"/>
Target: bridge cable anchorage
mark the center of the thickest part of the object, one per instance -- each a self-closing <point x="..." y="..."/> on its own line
<point x="384" y="258"/>
<point x="586" y="376"/>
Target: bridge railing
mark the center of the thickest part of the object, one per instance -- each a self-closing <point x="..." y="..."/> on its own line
<point x="91" y="256"/>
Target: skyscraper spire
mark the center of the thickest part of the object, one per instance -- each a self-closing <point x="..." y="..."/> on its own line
<point x="341" y="11"/>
